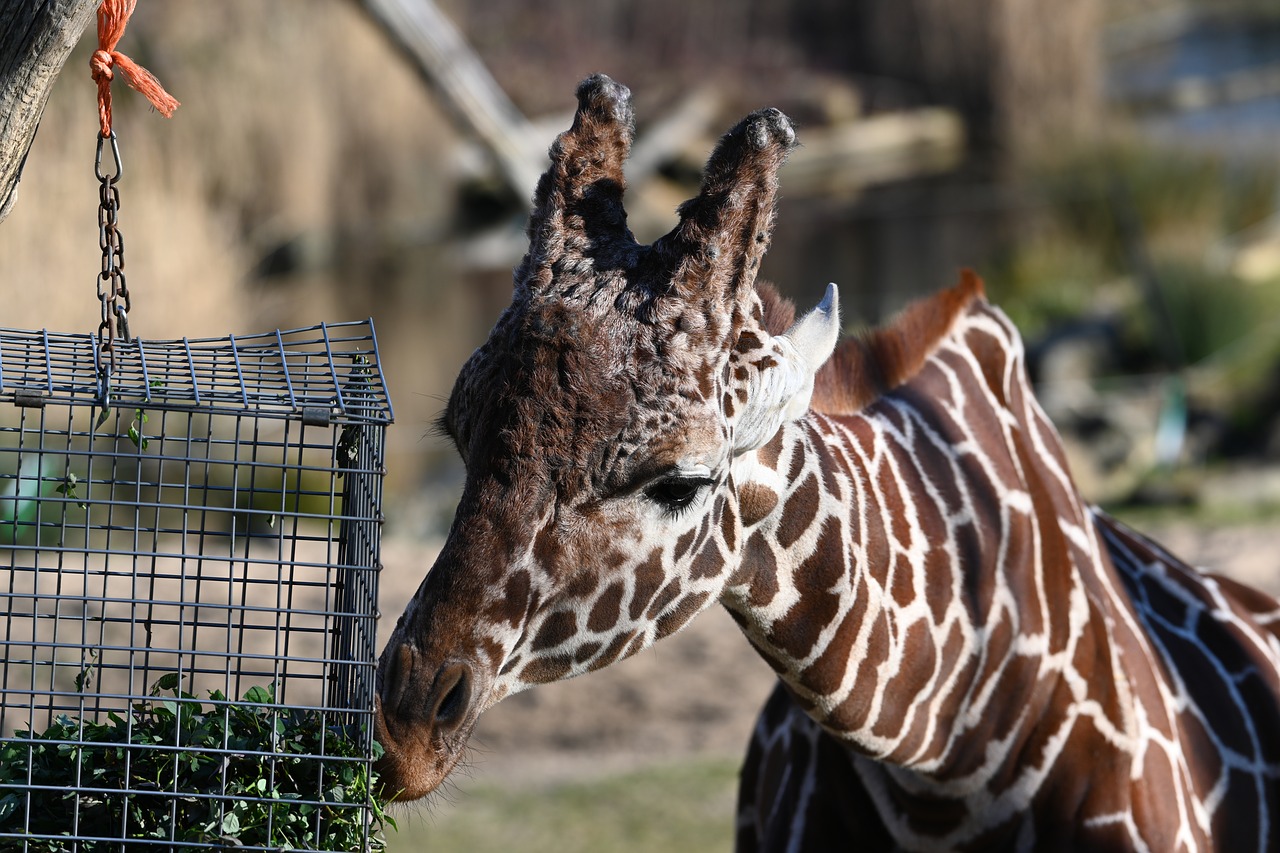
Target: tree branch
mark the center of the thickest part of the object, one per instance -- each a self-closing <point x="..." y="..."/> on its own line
<point x="442" y="55"/>
<point x="36" y="37"/>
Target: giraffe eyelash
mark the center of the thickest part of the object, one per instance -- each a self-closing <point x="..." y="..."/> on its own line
<point x="677" y="495"/>
<point x="441" y="428"/>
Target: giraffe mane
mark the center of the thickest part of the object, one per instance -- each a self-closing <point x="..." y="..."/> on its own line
<point x="874" y="362"/>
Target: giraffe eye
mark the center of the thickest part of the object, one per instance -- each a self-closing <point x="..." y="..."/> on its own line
<point x="676" y="494"/>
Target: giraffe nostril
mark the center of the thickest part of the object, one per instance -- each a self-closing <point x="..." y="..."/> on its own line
<point x="452" y="695"/>
<point x="454" y="701"/>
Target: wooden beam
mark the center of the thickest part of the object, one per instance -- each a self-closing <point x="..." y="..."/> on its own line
<point x="453" y="69"/>
<point x="36" y="37"/>
<point x="876" y="149"/>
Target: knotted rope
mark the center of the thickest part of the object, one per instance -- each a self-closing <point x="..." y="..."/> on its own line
<point x="113" y="15"/>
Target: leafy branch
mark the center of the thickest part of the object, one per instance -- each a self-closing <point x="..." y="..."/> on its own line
<point x="140" y="419"/>
<point x="68" y="489"/>
<point x="245" y="773"/>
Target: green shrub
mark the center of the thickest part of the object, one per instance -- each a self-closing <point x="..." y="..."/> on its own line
<point x="232" y="774"/>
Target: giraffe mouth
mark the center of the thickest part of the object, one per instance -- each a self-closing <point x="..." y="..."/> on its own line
<point x="423" y="731"/>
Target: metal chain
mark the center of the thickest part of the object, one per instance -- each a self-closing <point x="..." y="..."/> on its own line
<point x="113" y="291"/>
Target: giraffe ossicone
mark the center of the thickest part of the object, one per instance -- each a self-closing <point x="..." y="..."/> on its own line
<point x="968" y="655"/>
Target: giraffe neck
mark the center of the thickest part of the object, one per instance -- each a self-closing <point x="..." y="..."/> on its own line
<point x="916" y="592"/>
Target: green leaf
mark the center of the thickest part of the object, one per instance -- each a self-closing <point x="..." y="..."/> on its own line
<point x="260" y="695"/>
<point x="230" y="824"/>
<point x="168" y="681"/>
<point x="8" y="805"/>
<point x="68" y="487"/>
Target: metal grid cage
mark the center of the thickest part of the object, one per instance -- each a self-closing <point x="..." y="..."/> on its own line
<point x="190" y="578"/>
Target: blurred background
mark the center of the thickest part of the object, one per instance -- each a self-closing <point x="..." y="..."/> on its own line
<point x="1110" y="168"/>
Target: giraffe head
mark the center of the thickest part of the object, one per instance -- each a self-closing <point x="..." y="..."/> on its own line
<point x="602" y="426"/>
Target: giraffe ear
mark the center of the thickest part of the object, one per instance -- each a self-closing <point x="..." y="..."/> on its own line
<point x="780" y="393"/>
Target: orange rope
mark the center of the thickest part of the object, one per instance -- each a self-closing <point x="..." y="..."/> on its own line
<point x="113" y="15"/>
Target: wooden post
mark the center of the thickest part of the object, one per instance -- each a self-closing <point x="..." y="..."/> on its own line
<point x="36" y="36"/>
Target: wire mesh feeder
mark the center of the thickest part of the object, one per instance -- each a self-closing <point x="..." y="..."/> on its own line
<point x="190" y="579"/>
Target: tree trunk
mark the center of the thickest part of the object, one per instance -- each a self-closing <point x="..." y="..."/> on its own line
<point x="1024" y="73"/>
<point x="36" y="36"/>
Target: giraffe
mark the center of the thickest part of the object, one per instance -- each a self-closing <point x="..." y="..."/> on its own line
<point x="968" y="655"/>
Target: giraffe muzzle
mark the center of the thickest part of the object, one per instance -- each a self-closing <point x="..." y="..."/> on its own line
<point x="442" y="708"/>
<point x="423" y="719"/>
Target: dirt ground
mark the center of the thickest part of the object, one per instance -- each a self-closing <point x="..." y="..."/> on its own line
<point x="697" y="694"/>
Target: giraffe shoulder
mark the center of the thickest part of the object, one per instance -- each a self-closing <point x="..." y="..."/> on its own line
<point x="868" y="365"/>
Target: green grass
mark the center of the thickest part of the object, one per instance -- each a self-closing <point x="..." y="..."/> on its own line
<point x="673" y="808"/>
